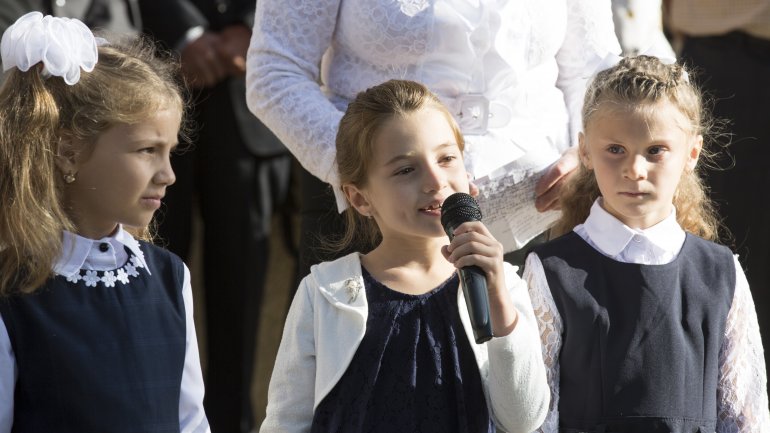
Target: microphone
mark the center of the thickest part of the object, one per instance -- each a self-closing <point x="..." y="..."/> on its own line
<point x="457" y="209"/>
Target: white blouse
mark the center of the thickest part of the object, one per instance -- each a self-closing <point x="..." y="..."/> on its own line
<point x="521" y="66"/>
<point x="742" y="404"/>
<point x="88" y="254"/>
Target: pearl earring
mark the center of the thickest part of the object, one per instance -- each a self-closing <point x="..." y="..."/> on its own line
<point x="69" y="178"/>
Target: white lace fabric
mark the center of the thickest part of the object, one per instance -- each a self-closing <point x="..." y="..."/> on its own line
<point x="516" y="50"/>
<point x="63" y="45"/>
<point x="742" y="404"/>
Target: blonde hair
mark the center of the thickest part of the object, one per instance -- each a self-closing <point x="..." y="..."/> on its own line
<point x="634" y="83"/>
<point x="37" y="115"/>
<point x="359" y="127"/>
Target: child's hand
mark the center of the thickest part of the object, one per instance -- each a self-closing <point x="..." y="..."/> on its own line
<point x="474" y="245"/>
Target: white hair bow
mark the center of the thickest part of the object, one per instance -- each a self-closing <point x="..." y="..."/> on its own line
<point x="64" y="45"/>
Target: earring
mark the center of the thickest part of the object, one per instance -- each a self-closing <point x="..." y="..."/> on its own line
<point x="69" y="178"/>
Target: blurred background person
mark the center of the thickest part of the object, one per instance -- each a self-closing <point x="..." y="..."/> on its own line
<point x="237" y="173"/>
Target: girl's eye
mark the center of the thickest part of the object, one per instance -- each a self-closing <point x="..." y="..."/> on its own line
<point x="403" y="171"/>
<point x="448" y="158"/>
<point x="656" y="150"/>
<point x="147" y="150"/>
<point x="614" y="148"/>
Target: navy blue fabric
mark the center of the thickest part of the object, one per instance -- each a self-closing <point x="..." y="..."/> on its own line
<point x="413" y="372"/>
<point x="100" y="359"/>
<point x="641" y="343"/>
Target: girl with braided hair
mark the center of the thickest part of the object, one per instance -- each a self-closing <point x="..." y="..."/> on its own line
<point x="647" y="324"/>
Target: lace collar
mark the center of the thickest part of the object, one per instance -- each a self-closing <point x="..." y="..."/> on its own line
<point x="108" y="260"/>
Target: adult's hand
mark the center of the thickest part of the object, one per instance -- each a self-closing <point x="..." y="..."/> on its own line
<point x="201" y="64"/>
<point x="234" y="43"/>
<point x="547" y="188"/>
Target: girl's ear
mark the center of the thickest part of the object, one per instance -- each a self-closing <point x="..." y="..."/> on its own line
<point x="357" y="199"/>
<point x="66" y="157"/>
<point x="695" y="149"/>
<point x="585" y="157"/>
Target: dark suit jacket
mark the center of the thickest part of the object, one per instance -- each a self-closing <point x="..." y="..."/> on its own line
<point x="169" y="20"/>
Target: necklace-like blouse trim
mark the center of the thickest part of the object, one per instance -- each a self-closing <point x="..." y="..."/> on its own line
<point x="122" y="275"/>
<point x="78" y="252"/>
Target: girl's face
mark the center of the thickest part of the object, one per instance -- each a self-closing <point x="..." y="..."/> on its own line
<point x="638" y="157"/>
<point x="416" y="164"/>
<point x="125" y="176"/>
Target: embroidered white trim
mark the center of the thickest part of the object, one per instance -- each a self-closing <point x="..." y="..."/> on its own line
<point x="108" y="278"/>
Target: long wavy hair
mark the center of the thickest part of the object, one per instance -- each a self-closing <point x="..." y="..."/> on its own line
<point x="130" y="83"/>
<point x="359" y="127"/>
<point x="638" y="82"/>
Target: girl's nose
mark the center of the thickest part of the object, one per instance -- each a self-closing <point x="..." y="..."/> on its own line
<point x="165" y="176"/>
<point x="636" y="168"/>
<point x="435" y="179"/>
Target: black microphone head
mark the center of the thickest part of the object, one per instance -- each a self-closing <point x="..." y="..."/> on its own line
<point x="457" y="209"/>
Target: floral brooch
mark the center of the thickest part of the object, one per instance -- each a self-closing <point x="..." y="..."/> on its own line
<point x="353" y="287"/>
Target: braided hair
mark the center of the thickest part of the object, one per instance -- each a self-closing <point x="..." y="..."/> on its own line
<point x="636" y="83"/>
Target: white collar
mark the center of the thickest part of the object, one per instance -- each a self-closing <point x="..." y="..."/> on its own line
<point x="77" y="249"/>
<point x="611" y="236"/>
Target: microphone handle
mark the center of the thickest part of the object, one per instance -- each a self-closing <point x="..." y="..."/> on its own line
<point x="474" y="285"/>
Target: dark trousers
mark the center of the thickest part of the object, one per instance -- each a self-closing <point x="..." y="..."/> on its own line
<point x="237" y="193"/>
<point x="735" y="70"/>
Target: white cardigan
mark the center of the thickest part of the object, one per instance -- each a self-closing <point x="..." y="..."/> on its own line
<point x="326" y="323"/>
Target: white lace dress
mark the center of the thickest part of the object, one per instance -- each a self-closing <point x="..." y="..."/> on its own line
<point x="526" y="61"/>
<point x="742" y="403"/>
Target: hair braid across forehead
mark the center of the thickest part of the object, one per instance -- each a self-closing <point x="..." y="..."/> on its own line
<point x="648" y="76"/>
<point x="637" y="83"/>
<point x="645" y="79"/>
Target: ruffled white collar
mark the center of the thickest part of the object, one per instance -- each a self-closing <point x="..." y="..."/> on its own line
<point x="615" y="239"/>
<point x="105" y="254"/>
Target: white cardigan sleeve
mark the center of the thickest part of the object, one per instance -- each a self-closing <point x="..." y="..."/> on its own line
<point x="516" y="380"/>
<point x="292" y="384"/>
<point x="282" y="79"/>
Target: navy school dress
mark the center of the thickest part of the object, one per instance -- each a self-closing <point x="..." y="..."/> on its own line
<point x="640" y="343"/>
<point x="414" y="370"/>
<point x="95" y="359"/>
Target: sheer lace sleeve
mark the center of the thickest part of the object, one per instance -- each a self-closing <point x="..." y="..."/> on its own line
<point x="590" y="36"/>
<point x="742" y="391"/>
<point x="283" y="71"/>
<point x="550" y="325"/>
